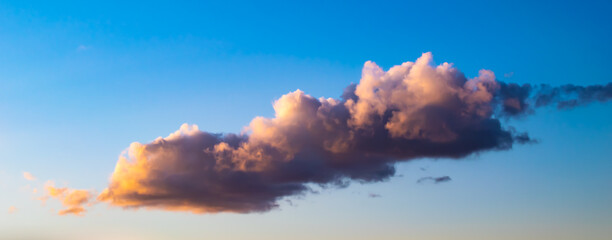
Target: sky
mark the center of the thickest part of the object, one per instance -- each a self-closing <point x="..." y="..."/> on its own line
<point x="81" y="81"/>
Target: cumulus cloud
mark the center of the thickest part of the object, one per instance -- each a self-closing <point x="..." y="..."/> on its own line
<point x="434" y="179"/>
<point x="28" y="176"/>
<point x="73" y="200"/>
<point x="413" y="110"/>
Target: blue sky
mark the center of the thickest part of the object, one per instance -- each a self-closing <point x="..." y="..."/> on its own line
<point x="81" y="81"/>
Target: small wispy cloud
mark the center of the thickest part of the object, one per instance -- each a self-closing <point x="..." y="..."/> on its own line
<point x="73" y="200"/>
<point x="28" y="176"/>
<point x="435" y="180"/>
<point x="374" y="195"/>
<point x="12" y="209"/>
<point x="508" y="75"/>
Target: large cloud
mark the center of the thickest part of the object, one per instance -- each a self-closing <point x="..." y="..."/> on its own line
<point x="413" y="110"/>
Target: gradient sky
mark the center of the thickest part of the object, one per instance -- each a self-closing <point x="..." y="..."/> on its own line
<point x="80" y="81"/>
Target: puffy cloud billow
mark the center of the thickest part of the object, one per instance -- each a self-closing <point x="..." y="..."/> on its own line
<point x="413" y="110"/>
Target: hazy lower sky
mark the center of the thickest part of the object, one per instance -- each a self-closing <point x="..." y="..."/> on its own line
<point x="81" y="81"/>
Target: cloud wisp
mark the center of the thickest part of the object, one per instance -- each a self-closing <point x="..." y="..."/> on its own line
<point x="374" y="195"/>
<point x="413" y="110"/>
<point x="28" y="176"/>
<point x="12" y="209"/>
<point x="517" y="100"/>
<point x="73" y="200"/>
<point x="435" y="180"/>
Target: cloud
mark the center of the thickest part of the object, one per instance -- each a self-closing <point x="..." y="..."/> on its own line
<point x="519" y="100"/>
<point x="73" y="200"/>
<point x="28" y="176"/>
<point x="570" y="96"/>
<point x="374" y="195"/>
<point x="435" y="180"/>
<point x="413" y="110"/>
<point x="12" y="209"/>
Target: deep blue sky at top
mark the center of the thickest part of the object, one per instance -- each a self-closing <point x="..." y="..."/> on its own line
<point x="482" y="33"/>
